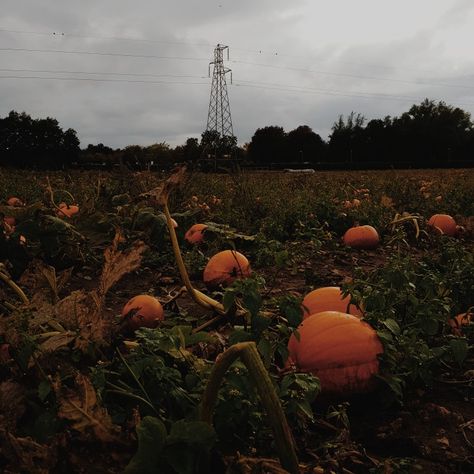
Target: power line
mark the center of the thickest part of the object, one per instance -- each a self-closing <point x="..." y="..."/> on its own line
<point x="330" y="92"/>
<point x="104" y="80"/>
<point x="96" y="53"/>
<point x="248" y="84"/>
<point x="112" y="38"/>
<point x="356" y="76"/>
<point x="102" y="73"/>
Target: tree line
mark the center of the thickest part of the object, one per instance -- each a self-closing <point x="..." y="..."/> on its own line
<point x="429" y="134"/>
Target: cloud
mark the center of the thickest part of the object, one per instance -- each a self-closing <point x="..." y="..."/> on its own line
<point x="293" y="63"/>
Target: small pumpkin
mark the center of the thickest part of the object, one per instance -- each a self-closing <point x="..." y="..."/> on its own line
<point x="142" y="311"/>
<point x="15" y="202"/>
<point x="195" y="233"/>
<point x="362" y="237"/>
<point x="444" y="224"/>
<point x="10" y="221"/>
<point x="224" y="267"/>
<point x="340" y="349"/>
<point x="457" y="323"/>
<point x="67" y="211"/>
<point x="329" y="298"/>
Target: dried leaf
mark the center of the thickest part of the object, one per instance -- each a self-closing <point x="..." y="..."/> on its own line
<point x="119" y="263"/>
<point x="12" y="404"/>
<point x="26" y="455"/>
<point x="57" y="341"/>
<point x="80" y="408"/>
<point x="160" y="193"/>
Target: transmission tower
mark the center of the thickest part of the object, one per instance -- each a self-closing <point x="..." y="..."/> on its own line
<point x="218" y="117"/>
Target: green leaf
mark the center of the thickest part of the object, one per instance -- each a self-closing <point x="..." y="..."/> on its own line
<point x="151" y="440"/>
<point x="44" y="389"/>
<point x="188" y="446"/>
<point x="429" y="326"/>
<point x="459" y="348"/>
<point x="228" y="299"/>
<point x="392" y="326"/>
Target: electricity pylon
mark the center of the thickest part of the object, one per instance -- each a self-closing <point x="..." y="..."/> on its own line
<point x="218" y="117"/>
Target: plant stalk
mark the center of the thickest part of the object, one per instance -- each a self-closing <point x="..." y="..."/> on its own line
<point x="248" y="352"/>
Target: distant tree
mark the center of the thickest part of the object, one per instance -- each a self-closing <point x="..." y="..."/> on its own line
<point x="346" y="140"/>
<point x="432" y="134"/>
<point x="36" y="143"/>
<point x="213" y="145"/>
<point x="100" y="148"/>
<point x="268" y="145"/>
<point x="304" y="145"/>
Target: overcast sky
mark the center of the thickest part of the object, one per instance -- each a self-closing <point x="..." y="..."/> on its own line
<point x="300" y="62"/>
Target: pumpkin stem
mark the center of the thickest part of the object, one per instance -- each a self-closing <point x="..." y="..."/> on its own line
<point x="197" y="295"/>
<point x="4" y="277"/>
<point x="248" y="352"/>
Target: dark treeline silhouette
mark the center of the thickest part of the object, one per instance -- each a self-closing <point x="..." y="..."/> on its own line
<point x="36" y="143"/>
<point x="428" y="135"/>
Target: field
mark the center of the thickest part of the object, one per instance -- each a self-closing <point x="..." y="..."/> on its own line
<point x="83" y="390"/>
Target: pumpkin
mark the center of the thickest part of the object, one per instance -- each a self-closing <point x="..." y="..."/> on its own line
<point x="443" y="223"/>
<point x="15" y="202"/>
<point x="66" y="210"/>
<point x="457" y="323"/>
<point x="142" y="311"/>
<point x="224" y="267"/>
<point x="195" y="234"/>
<point x="340" y="349"/>
<point x="328" y="299"/>
<point x="10" y="221"/>
<point x="362" y="237"/>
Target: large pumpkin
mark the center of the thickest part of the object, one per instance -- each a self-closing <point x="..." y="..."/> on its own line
<point x="443" y="223"/>
<point x="195" y="233"/>
<point x="224" y="267"/>
<point x="362" y="237"/>
<point x="143" y="311"/>
<point x="328" y="299"/>
<point x="338" y="348"/>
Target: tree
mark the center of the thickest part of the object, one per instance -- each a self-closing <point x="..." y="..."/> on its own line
<point x="39" y="143"/>
<point x="304" y="145"/>
<point x="216" y="146"/>
<point x="346" y="139"/>
<point x="431" y="134"/>
<point x="268" y="145"/>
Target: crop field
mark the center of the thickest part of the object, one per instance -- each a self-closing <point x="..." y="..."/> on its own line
<point x="282" y="335"/>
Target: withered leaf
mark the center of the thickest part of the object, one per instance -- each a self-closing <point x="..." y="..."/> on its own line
<point x="26" y="455"/>
<point x="12" y="404"/>
<point x="80" y="408"/>
<point x="118" y="263"/>
<point x="57" y="341"/>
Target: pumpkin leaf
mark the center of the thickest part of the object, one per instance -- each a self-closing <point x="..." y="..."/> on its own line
<point x="459" y="348"/>
<point x="151" y="433"/>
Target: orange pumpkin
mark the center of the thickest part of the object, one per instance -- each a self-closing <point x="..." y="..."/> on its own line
<point x="328" y="299"/>
<point x="340" y="349"/>
<point x="15" y="202"/>
<point x="457" y="323"/>
<point x="10" y="221"/>
<point x="195" y="234"/>
<point x="362" y="237"/>
<point x="143" y="311"/>
<point x="224" y="267"/>
<point x="66" y="210"/>
<point x="443" y="223"/>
